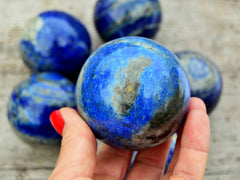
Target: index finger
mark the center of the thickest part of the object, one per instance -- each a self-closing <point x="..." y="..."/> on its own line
<point x="77" y="156"/>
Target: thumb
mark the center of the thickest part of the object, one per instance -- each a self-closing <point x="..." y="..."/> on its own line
<point x="77" y="156"/>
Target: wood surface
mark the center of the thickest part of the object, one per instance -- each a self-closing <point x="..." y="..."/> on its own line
<point x="209" y="26"/>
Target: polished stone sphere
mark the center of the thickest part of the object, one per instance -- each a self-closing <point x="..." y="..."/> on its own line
<point x="133" y="93"/>
<point x="204" y="77"/>
<point x="32" y="102"/>
<point x="55" y="41"/>
<point x="118" y="18"/>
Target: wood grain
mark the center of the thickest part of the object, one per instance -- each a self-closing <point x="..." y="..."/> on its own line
<point x="211" y="27"/>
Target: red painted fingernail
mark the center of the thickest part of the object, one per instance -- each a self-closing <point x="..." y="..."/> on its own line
<point x="57" y="121"/>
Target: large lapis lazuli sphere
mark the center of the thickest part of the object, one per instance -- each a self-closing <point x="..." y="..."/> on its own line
<point x="204" y="77"/>
<point x="133" y="93"/>
<point x="32" y="102"/>
<point x="118" y="18"/>
<point x="55" y="41"/>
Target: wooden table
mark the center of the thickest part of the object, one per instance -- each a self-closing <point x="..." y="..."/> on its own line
<point x="211" y="27"/>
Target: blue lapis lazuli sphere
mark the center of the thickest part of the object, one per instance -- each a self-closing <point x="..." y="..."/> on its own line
<point x="55" y="41"/>
<point x="118" y="18"/>
<point x="204" y="77"/>
<point x="32" y="102"/>
<point x="133" y="93"/>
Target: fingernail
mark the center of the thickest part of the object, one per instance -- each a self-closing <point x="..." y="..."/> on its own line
<point x="57" y="121"/>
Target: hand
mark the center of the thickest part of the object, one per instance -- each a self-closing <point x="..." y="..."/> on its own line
<point x="78" y="159"/>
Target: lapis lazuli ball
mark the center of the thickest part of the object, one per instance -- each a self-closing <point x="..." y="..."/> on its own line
<point x="133" y="93"/>
<point x="32" y="102"/>
<point x="55" y="41"/>
<point x="204" y="77"/>
<point x="118" y="18"/>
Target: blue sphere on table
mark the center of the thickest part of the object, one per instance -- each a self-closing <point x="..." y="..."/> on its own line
<point x="118" y="18"/>
<point x="32" y="102"/>
<point x="171" y="151"/>
<point x="204" y="77"/>
<point x="55" y="41"/>
<point x="133" y="93"/>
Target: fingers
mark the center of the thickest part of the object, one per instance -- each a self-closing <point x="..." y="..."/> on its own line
<point x="112" y="163"/>
<point x="196" y="103"/>
<point x="77" y="157"/>
<point x="191" y="153"/>
<point x="150" y="163"/>
<point x="78" y="150"/>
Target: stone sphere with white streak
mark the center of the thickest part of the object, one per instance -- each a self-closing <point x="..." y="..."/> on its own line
<point x="133" y="93"/>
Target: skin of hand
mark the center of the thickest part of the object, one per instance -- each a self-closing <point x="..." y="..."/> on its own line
<point x="79" y="160"/>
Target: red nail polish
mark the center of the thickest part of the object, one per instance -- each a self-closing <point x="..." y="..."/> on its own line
<point x="57" y="121"/>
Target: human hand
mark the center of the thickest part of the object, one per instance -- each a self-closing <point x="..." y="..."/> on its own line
<point x="78" y="159"/>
